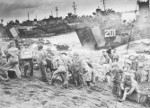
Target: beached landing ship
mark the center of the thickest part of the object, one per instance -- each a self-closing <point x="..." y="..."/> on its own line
<point x="112" y="29"/>
<point x="106" y="28"/>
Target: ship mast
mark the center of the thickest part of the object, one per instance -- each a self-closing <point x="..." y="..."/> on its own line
<point x="56" y="11"/>
<point x="28" y="16"/>
<point x="51" y="13"/>
<point x="104" y="4"/>
<point x="74" y="7"/>
<point x="36" y="17"/>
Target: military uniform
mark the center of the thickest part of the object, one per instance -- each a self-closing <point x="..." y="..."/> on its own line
<point x="49" y="60"/>
<point x="13" y="61"/>
<point x="3" y="71"/>
<point x="129" y="86"/>
<point x="26" y="57"/>
<point x="63" y="62"/>
<point x="105" y="59"/>
<point x="115" y="57"/>
<point x="77" y="74"/>
<point x="88" y="72"/>
<point x="40" y="57"/>
<point x="117" y="75"/>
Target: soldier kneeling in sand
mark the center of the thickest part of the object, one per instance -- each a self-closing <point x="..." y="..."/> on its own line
<point x="129" y="86"/>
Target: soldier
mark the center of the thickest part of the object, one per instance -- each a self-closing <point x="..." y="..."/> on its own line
<point x="135" y="63"/>
<point x="3" y="71"/>
<point x="88" y="71"/>
<point x="76" y="68"/>
<point x="115" y="56"/>
<point x="138" y="73"/>
<point x="40" y="57"/>
<point x="13" y="59"/>
<point x="105" y="59"/>
<point x="63" y="62"/>
<point x="109" y="52"/>
<point x="83" y="71"/>
<point x="49" y="60"/>
<point x="127" y="68"/>
<point x="117" y="75"/>
<point x="26" y="57"/>
<point x="129" y="86"/>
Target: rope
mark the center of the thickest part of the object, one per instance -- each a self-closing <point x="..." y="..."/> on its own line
<point x="129" y="39"/>
<point x="129" y="42"/>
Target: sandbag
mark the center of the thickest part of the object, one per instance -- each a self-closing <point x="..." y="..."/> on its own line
<point x="135" y="97"/>
<point x="140" y="98"/>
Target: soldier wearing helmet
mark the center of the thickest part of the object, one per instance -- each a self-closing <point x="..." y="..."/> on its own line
<point x="26" y="58"/>
<point x="40" y="57"/>
<point x="129" y="86"/>
<point x="63" y="62"/>
<point x="117" y="75"/>
<point x="13" y="59"/>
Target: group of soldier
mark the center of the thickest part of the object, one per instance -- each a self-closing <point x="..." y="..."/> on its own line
<point x="22" y="59"/>
<point x="68" y="67"/>
<point x="123" y="80"/>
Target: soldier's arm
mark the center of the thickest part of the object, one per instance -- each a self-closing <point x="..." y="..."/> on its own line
<point x="13" y="54"/>
<point x="44" y="54"/>
<point x="70" y="61"/>
<point x="100" y="61"/>
<point x="122" y="86"/>
<point x="56" y="60"/>
<point x="113" y="76"/>
<point x="110" y="61"/>
<point x="34" y="54"/>
<point x="132" y="89"/>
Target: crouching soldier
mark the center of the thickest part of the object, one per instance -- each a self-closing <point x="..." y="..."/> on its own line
<point x="129" y="86"/>
<point x="63" y="62"/>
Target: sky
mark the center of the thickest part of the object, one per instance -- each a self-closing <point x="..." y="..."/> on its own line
<point x="18" y="9"/>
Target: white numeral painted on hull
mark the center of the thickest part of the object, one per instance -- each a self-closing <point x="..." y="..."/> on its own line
<point x="110" y="33"/>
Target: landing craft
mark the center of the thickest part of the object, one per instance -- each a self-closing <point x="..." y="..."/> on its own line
<point x="115" y="30"/>
<point x="109" y="29"/>
<point x="111" y="34"/>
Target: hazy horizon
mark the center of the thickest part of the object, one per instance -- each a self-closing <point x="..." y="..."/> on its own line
<point x="18" y="9"/>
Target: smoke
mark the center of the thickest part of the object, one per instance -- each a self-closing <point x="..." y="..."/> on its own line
<point x="11" y="8"/>
<point x="18" y="9"/>
<point x="121" y="5"/>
